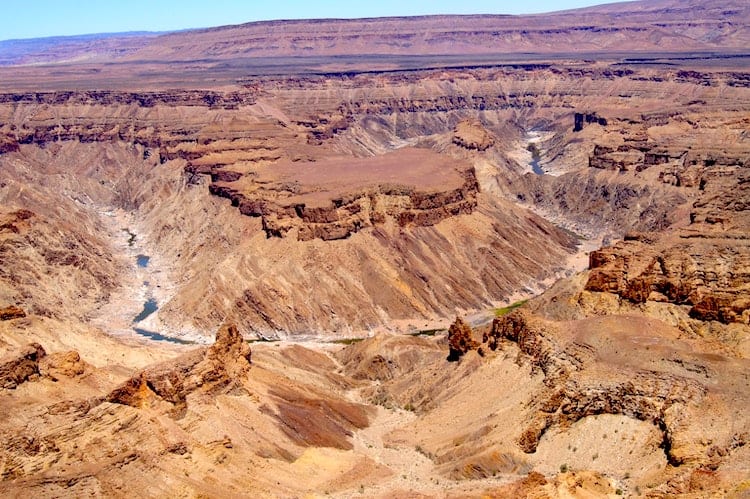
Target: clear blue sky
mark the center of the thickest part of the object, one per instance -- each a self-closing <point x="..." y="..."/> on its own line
<point x="39" y="18"/>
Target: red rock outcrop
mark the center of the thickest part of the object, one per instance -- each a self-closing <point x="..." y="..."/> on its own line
<point x="582" y="119"/>
<point x="672" y="142"/>
<point x="21" y="366"/>
<point x="642" y="386"/>
<point x="11" y="312"/>
<point x="216" y="369"/>
<point x="460" y="340"/>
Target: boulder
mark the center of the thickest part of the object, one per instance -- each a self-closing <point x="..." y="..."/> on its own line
<point x="11" y="312"/>
<point x="460" y="340"/>
<point x="21" y="366"/>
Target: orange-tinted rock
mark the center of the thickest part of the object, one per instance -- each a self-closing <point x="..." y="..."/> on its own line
<point x="460" y="340"/>
<point x="62" y="364"/>
<point x="21" y="366"/>
<point x="533" y="485"/>
<point x="472" y="135"/>
<point x="708" y="273"/>
<point x="11" y="312"/>
<point x="218" y="368"/>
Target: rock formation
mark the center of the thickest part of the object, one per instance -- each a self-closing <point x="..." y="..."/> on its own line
<point x="296" y="195"/>
<point x="216" y="369"/>
<point x="472" y="135"/>
<point x="353" y="203"/>
<point x="31" y="363"/>
<point x="582" y="119"/>
<point x="663" y="384"/>
<point x="460" y="340"/>
<point x="21" y="366"/>
<point x="11" y="312"/>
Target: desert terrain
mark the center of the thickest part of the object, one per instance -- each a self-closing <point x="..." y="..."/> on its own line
<point x="443" y="256"/>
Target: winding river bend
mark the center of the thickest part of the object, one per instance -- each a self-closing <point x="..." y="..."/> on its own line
<point x="149" y="307"/>
<point x="532" y="139"/>
<point x="131" y="311"/>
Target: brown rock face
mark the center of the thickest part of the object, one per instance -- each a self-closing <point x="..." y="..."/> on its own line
<point x="62" y="364"/>
<point x="335" y="421"/>
<point x="582" y="119"/>
<point x="334" y="198"/>
<point x="77" y="264"/>
<point x="230" y="347"/>
<point x="472" y="135"/>
<point x="460" y="340"/>
<point x="11" y="312"/>
<point x="216" y="369"/>
<point x="668" y="390"/>
<point x="32" y="362"/>
<point x="21" y="366"/>
<point x="709" y="274"/>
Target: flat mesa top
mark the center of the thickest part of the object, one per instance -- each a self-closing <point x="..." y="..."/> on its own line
<point x="420" y="169"/>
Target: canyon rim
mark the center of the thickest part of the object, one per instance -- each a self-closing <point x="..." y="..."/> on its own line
<point x="435" y="256"/>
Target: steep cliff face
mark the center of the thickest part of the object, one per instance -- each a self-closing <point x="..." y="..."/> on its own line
<point x="709" y="276"/>
<point x="408" y="170"/>
<point x="367" y="192"/>
<point x="659" y="377"/>
<point x="52" y="268"/>
<point x="704" y="266"/>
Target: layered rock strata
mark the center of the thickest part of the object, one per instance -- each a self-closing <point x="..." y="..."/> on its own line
<point x="334" y="198"/>
<point x="216" y="369"/>
<point x="704" y="266"/>
<point x="670" y="392"/>
<point x="32" y="362"/>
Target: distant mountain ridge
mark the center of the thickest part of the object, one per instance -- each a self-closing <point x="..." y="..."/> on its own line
<point x="59" y="48"/>
<point x="667" y="25"/>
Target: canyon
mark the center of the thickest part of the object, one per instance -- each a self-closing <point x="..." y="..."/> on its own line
<point x="509" y="257"/>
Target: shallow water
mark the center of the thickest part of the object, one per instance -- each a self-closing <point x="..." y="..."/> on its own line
<point x="143" y="260"/>
<point x="535" y="167"/>
<point x="148" y="308"/>
<point x="160" y="337"/>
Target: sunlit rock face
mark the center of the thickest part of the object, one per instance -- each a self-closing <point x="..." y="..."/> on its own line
<point x="508" y="258"/>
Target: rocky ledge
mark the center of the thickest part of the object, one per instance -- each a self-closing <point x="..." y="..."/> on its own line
<point x="659" y="379"/>
<point x="704" y="266"/>
<point x="215" y="369"/>
<point x="31" y="363"/>
<point x="708" y="275"/>
<point x="335" y="198"/>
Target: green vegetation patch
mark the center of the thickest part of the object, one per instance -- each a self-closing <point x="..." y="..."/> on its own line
<point x="428" y="332"/>
<point x="263" y="340"/>
<point x="499" y="312"/>
<point x="347" y="341"/>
